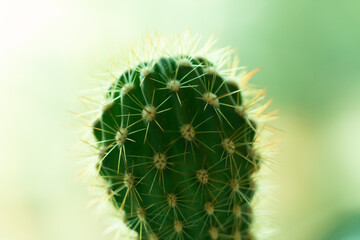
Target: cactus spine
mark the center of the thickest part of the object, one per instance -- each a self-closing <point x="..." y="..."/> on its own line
<point x="176" y="147"/>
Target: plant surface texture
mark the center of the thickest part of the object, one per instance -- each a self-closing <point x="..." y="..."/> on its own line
<point x="176" y="142"/>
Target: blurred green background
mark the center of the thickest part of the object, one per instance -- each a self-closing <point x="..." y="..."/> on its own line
<point x="310" y="54"/>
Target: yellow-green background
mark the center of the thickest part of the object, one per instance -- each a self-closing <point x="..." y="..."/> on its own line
<point x="310" y="54"/>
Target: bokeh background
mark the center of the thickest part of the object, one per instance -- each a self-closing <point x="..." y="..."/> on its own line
<point x="310" y="54"/>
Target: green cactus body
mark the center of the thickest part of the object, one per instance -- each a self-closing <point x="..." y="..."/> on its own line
<point x="177" y="151"/>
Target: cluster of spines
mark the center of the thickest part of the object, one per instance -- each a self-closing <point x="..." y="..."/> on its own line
<point x="112" y="131"/>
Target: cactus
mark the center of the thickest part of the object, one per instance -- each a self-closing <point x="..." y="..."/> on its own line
<point x="177" y="146"/>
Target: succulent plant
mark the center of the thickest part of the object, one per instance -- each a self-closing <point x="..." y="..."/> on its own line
<point x="176" y="144"/>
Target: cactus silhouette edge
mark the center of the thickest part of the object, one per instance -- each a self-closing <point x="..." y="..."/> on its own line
<point x="176" y="140"/>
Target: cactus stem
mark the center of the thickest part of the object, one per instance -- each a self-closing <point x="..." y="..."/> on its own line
<point x="151" y="114"/>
